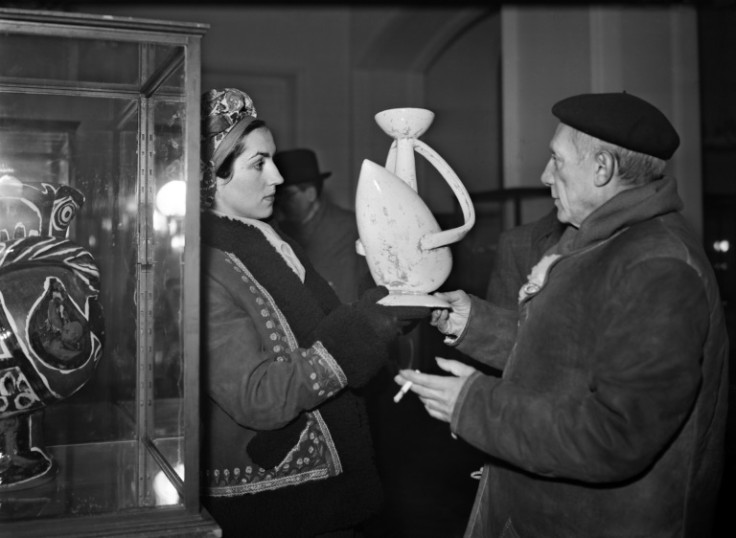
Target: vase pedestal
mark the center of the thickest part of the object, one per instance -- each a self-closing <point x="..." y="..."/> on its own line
<point x="397" y="298"/>
<point x="23" y="463"/>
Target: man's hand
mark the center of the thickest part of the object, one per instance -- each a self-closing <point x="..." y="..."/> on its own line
<point x="452" y="322"/>
<point x="438" y="393"/>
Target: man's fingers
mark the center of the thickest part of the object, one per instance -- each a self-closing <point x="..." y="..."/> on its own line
<point x="425" y="380"/>
<point x="456" y="368"/>
<point x="424" y="391"/>
<point x="436" y="409"/>
<point x="420" y="387"/>
<point x="439" y="317"/>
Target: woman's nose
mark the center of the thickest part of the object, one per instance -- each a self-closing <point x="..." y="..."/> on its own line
<point x="275" y="177"/>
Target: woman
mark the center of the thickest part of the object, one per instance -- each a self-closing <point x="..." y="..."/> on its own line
<point x="287" y="450"/>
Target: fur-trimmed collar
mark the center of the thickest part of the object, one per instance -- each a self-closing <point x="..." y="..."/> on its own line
<point x="304" y="305"/>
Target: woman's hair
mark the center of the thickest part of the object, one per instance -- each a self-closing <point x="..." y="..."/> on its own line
<point x="634" y="168"/>
<point x="208" y="185"/>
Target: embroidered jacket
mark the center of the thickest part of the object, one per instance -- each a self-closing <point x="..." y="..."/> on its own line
<point x="263" y="368"/>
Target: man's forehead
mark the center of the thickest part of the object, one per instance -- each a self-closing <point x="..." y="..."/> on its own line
<point x="561" y="136"/>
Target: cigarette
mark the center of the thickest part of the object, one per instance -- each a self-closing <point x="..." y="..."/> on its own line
<point x="404" y="389"/>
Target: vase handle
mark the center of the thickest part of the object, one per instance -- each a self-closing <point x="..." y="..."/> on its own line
<point x="391" y="157"/>
<point x="453" y="235"/>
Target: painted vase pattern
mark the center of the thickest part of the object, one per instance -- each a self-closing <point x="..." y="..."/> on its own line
<point x="51" y="322"/>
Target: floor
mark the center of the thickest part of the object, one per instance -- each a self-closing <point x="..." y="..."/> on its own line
<point x="426" y="473"/>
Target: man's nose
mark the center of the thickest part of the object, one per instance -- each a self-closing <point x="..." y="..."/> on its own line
<point x="546" y="177"/>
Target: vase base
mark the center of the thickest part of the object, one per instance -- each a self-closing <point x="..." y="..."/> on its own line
<point x="413" y="299"/>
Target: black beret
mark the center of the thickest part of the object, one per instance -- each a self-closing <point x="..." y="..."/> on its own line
<point x="622" y="119"/>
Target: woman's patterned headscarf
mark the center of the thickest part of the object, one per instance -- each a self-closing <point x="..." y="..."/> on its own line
<point x="225" y="115"/>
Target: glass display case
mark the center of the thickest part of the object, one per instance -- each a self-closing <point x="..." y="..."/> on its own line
<point x="99" y="276"/>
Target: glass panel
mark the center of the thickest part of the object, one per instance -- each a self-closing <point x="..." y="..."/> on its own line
<point x="94" y="479"/>
<point x="90" y="144"/>
<point x="105" y="118"/>
<point x="169" y="213"/>
<point x="91" y="479"/>
<point x="63" y="61"/>
<point x="68" y="59"/>
<point x="170" y="61"/>
<point x="49" y="143"/>
<point x="162" y="491"/>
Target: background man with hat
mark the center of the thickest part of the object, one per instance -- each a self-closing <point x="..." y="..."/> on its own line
<point x="325" y="231"/>
<point x="609" y="417"/>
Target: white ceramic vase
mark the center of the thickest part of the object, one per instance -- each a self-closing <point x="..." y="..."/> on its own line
<point x="404" y="246"/>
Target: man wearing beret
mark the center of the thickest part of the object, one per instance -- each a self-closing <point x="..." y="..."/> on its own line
<point x="325" y="231"/>
<point x="609" y="417"/>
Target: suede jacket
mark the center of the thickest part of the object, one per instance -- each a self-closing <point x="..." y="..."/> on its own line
<point x="272" y="388"/>
<point x="519" y="248"/>
<point x="609" y="418"/>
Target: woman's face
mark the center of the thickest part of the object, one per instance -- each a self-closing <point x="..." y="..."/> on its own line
<point x="251" y="190"/>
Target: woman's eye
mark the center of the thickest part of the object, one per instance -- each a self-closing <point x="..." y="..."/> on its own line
<point x="259" y="165"/>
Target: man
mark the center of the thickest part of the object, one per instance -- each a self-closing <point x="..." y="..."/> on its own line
<point x="609" y="418"/>
<point x="324" y="230"/>
<point x="519" y="248"/>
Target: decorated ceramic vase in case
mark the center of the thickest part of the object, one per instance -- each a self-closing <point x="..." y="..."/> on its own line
<point x="403" y="244"/>
<point x="51" y="323"/>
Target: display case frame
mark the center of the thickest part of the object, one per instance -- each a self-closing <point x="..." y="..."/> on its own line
<point x="166" y="51"/>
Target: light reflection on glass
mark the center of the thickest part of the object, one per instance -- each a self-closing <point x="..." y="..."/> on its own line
<point x="164" y="490"/>
<point x="171" y="198"/>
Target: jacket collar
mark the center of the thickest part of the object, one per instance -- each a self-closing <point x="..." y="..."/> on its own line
<point x="627" y="208"/>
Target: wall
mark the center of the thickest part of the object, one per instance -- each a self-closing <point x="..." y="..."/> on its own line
<point x="437" y="58"/>
<point x="551" y="53"/>
<point x="462" y="88"/>
<point x="318" y="75"/>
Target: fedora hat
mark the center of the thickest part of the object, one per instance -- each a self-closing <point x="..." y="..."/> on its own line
<point x="299" y="166"/>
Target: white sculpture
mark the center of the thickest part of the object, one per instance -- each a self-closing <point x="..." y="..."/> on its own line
<point x="403" y="244"/>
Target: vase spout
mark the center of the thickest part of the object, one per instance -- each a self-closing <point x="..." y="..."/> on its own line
<point x="405" y="122"/>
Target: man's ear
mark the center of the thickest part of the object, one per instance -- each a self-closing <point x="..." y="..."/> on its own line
<point x="311" y="192"/>
<point x="605" y="168"/>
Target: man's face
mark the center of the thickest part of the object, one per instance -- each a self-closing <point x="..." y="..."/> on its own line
<point x="570" y="177"/>
<point x="294" y="202"/>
